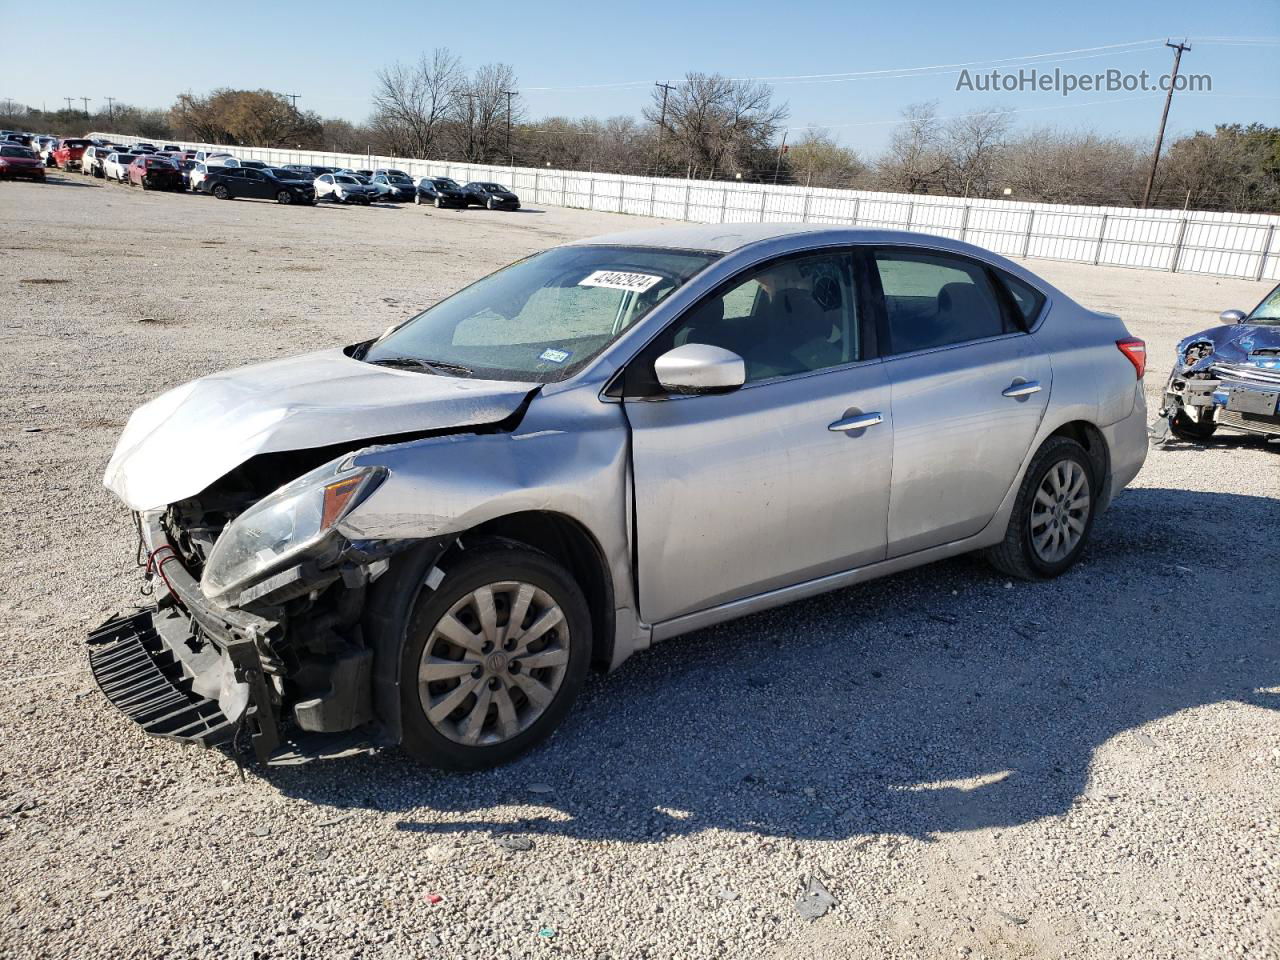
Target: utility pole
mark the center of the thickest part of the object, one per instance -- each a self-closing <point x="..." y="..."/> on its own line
<point x="293" y="97"/>
<point x="85" y="101"/>
<point x="471" y="125"/>
<point x="510" y="156"/>
<point x="111" y="103"/>
<point x="781" y="150"/>
<point x="1177" y="48"/>
<point x="666" y="88"/>
<point x="68" y="99"/>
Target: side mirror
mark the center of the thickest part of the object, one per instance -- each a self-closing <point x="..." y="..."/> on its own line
<point x="700" y="368"/>
<point x="1232" y="316"/>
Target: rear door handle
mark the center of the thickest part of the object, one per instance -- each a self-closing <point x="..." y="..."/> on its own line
<point x="1023" y="389"/>
<point x="859" y="421"/>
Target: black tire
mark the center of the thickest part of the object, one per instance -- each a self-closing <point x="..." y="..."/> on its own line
<point x="489" y="204"/>
<point x="1016" y="555"/>
<point x="1193" y="431"/>
<point x="439" y="204"/>
<point x="417" y="200"/>
<point x="221" y="192"/>
<point x="464" y="571"/>
<point x="285" y="197"/>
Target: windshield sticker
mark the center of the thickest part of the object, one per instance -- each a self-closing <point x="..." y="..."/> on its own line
<point x="618" y="280"/>
<point x="552" y="355"/>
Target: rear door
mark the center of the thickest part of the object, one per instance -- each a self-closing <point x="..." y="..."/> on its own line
<point x="770" y="485"/>
<point x="254" y="184"/>
<point x="969" y="388"/>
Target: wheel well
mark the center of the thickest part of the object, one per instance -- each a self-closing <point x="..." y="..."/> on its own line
<point x="572" y="545"/>
<point x="1095" y="445"/>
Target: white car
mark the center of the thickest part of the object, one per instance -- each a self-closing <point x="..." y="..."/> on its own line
<point x="43" y="146"/>
<point x="344" y="188"/>
<point x="196" y="175"/>
<point x="116" y="166"/>
<point x="213" y="158"/>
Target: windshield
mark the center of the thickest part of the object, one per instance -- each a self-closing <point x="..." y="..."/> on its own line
<point x="76" y="144"/>
<point x="1268" y="311"/>
<point x="17" y="152"/>
<point x="346" y="179"/>
<point x="444" y="183"/>
<point x="544" y="317"/>
<point x="398" y="178"/>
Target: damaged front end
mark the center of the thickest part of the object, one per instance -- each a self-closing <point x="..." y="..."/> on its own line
<point x="1229" y="377"/>
<point x="255" y="629"/>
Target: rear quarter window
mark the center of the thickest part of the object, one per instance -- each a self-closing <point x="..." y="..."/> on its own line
<point x="1027" y="300"/>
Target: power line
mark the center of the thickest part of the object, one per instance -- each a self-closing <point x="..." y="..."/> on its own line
<point x="1178" y="49"/>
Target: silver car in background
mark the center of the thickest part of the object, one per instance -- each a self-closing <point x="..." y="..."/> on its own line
<point x="427" y="539"/>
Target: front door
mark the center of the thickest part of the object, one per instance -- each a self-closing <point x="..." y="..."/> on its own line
<point x="969" y="389"/>
<point x="741" y="493"/>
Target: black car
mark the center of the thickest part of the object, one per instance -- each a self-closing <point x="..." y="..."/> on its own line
<point x="311" y="171"/>
<point x="441" y="191"/>
<point x="395" y="186"/>
<point x="492" y="195"/>
<point x="230" y="183"/>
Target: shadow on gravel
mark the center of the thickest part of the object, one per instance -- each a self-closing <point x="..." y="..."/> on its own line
<point x="933" y="701"/>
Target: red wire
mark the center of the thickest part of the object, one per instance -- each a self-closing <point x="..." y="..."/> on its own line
<point x="155" y="564"/>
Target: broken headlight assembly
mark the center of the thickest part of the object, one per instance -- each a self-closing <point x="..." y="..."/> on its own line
<point x="295" y="520"/>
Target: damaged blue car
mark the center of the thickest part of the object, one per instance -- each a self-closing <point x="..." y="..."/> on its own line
<point x="1228" y="376"/>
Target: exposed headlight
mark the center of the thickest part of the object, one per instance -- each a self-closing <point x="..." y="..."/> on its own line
<point x="296" y="518"/>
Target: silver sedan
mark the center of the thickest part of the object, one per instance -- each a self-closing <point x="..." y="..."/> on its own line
<point x="427" y="539"/>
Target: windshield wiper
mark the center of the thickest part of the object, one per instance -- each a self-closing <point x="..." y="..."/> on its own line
<point x="431" y="366"/>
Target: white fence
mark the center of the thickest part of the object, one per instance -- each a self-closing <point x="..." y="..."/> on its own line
<point x="1180" y="241"/>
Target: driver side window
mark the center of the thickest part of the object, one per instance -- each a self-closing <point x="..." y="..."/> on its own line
<point x="789" y="317"/>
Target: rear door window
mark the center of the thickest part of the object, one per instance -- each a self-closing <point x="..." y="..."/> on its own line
<point x="935" y="300"/>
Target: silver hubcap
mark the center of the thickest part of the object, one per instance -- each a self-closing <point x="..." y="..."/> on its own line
<point x="1060" y="511"/>
<point x="493" y="663"/>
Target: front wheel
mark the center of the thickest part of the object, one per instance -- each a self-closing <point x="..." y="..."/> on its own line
<point x="1193" y="431"/>
<point x="221" y="192"/>
<point x="490" y="205"/>
<point x="284" y="196"/>
<point x="493" y="655"/>
<point x="1052" y="516"/>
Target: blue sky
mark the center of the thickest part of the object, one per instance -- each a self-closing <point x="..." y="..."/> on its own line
<point x="319" y="51"/>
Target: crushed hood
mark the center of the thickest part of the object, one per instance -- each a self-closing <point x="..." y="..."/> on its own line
<point x="1234" y="343"/>
<point x="177" y="444"/>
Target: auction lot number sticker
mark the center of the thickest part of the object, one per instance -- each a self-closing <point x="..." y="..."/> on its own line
<point x="619" y="280"/>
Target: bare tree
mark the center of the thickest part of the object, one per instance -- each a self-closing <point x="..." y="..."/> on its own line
<point x="914" y="160"/>
<point x="718" y="125"/>
<point x="971" y="148"/>
<point x="478" y="121"/>
<point x="412" y="102"/>
<point x="815" y="159"/>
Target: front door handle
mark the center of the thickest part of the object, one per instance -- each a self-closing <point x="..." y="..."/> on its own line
<point x="859" y="421"/>
<point x="1024" y="388"/>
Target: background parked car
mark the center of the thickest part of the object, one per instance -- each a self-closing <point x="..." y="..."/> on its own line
<point x="44" y="147"/>
<point x="69" y="152"/>
<point x="343" y="188"/>
<point x="116" y="165"/>
<point x="440" y="191"/>
<point x="92" y="160"/>
<point x="152" y="172"/>
<point x="211" y="157"/>
<point x="19" y="161"/>
<point x="232" y="183"/>
<point x="394" y="186"/>
<point x="312" y="169"/>
<point x="493" y="196"/>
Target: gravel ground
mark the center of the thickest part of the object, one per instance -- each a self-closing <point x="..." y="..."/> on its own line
<point x="1087" y="767"/>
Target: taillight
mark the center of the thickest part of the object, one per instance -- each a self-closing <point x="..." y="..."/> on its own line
<point x="1136" y="351"/>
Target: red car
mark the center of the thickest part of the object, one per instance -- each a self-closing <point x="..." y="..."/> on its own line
<point x="154" y="172"/>
<point x="68" y="154"/>
<point x="19" y="161"/>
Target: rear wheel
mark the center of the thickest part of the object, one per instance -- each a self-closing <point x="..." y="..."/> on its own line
<point x="493" y="655"/>
<point x="1193" y="431"/>
<point x="439" y="203"/>
<point x="1052" y="516"/>
<point x="221" y="192"/>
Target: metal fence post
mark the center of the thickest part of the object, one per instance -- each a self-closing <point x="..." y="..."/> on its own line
<point x="653" y="196"/>
<point x="804" y="216"/>
<point x="564" y="194"/>
<point x="764" y="200"/>
<point x="911" y="212"/>
<point x="1177" y="245"/>
<point x="724" y="202"/>
<point x="688" y="187"/>
<point x="1026" y="241"/>
<point x="1102" y="235"/>
<point x="853" y="221"/>
<point x="591" y="194"/>
<point x="622" y="193"/>
<point x="536" y="177"/>
<point x="1266" y="249"/>
<point x="964" y="221"/>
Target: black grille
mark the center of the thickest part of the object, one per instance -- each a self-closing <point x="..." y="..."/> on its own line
<point x="144" y="680"/>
